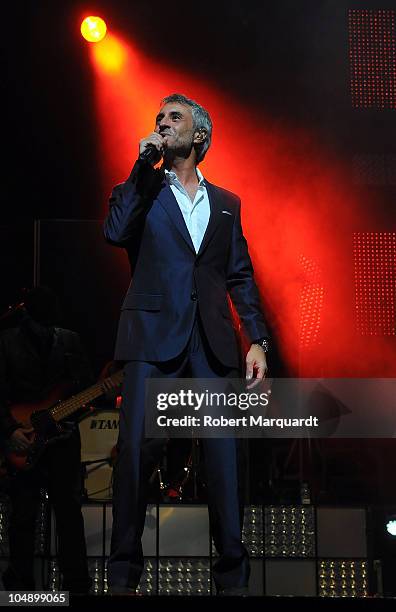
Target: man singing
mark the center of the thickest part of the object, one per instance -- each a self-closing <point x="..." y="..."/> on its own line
<point x="187" y="252"/>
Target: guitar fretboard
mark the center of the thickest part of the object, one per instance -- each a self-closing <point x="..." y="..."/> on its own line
<point x="71" y="405"/>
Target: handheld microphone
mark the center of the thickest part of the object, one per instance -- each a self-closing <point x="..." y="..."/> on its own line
<point x="151" y="154"/>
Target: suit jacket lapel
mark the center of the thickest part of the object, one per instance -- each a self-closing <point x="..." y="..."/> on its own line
<point x="215" y="215"/>
<point x="169" y="203"/>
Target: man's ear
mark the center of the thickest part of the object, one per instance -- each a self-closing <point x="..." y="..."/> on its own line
<point x="200" y="136"/>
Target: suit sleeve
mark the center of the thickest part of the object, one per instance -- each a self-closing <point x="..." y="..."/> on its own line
<point x="129" y="203"/>
<point x="241" y="284"/>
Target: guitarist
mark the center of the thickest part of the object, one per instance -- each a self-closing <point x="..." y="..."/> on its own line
<point x="35" y="356"/>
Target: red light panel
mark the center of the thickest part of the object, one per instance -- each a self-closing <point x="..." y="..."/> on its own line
<point x="372" y="57"/>
<point x="311" y="303"/>
<point x="375" y="282"/>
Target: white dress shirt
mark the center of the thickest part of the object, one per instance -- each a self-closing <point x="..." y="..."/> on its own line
<point x="196" y="214"/>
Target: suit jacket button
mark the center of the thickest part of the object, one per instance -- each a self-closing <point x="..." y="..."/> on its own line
<point x="194" y="296"/>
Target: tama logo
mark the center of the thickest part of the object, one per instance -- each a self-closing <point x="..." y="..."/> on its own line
<point x="105" y="424"/>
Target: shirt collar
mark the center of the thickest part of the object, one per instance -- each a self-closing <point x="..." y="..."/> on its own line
<point x="171" y="177"/>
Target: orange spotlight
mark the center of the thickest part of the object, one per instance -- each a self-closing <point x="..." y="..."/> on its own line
<point x="93" y="29"/>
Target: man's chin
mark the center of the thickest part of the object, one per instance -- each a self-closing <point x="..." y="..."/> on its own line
<point x="173" y="152"/>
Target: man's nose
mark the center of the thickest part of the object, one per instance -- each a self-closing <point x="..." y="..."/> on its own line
<point x="163" y="124"/>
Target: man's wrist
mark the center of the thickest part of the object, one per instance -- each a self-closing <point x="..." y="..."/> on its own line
<point x="263" y="342"/>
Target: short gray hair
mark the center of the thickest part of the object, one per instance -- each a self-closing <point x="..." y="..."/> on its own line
<point x="201" y="120"/>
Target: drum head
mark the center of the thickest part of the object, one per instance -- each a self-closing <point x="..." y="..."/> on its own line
<point x="99" y="433"/>
<point x="98" y="482"/>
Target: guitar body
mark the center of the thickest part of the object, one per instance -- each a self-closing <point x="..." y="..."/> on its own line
<point x="46" y="430"/>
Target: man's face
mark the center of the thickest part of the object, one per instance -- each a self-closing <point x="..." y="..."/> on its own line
<point x="175" y="123"/>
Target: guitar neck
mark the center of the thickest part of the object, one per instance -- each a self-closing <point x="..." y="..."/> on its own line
<point x="67" y="407"/>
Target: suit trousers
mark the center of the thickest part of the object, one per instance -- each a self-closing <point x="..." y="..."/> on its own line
<point x="137" y="459"/>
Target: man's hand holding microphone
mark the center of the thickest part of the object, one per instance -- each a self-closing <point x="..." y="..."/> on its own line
<point x="152" y="148"/>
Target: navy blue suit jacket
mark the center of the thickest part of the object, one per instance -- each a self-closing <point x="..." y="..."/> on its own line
<point x="170" y="281"/>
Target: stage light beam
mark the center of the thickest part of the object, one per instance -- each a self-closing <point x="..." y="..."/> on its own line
<point x="93" y="29"/>
<point x="110" y="56"/>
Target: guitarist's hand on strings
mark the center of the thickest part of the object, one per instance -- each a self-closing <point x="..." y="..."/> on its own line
<point x="19" y="440"/>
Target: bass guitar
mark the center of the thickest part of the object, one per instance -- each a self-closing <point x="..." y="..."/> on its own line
<point x="46" y="417"/>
